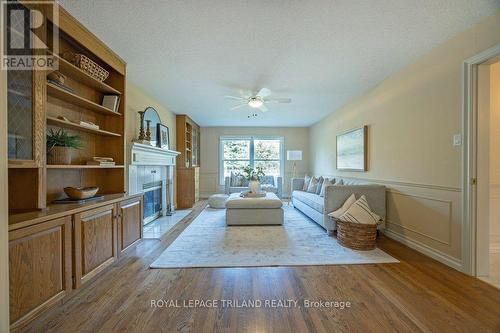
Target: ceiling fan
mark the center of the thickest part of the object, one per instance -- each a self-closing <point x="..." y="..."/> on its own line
<point x="258" y="101"/>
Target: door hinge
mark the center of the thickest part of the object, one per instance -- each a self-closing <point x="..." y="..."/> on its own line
<point x="73" y="279"/>
<point x="72" y="224"/>
<point x="473" y="181"/>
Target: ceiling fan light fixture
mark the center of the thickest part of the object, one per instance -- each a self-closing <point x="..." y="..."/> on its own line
<point x="255" y="102"/>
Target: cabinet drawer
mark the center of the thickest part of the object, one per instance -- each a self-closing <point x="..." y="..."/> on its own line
<point x="39" y="268"/>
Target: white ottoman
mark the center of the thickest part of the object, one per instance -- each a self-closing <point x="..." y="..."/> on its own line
<point x="254" y="211"/>
<point x="217" y="201"/>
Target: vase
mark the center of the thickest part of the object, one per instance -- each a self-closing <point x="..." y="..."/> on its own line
<point x="254" y="186"/>
<point x="59" y="155"/>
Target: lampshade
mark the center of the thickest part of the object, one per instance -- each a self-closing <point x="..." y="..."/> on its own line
<point x="294" y="155"/>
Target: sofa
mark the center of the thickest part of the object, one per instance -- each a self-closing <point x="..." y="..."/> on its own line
<point x="317" y="208"/>
<point x="236" y="184"/>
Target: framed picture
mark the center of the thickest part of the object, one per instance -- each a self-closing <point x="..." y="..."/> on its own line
<point x="352" y="150"/>
<point x="163" y="136"/>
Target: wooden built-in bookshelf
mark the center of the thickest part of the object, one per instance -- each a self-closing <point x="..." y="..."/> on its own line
<point x="188" y="162"/>
<point x="79" y="99"/>
<point x="54" y="249"/>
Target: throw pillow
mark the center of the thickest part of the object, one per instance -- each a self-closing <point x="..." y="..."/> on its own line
<point x="235" y="180"/>
<point x="313" y="185"/>
<point x="347" y="204"/>
<point x="327" y="182"/>
<point x="320" y="183"/>
<point x="360" y="212"/>
<point x="307" y="180"/>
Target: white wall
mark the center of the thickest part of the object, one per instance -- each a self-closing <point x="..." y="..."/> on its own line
<point x="295" y="138"/>
<point x="495" y="157"/>
<point x="412" y="117"/>
<point x="138" y="100"/>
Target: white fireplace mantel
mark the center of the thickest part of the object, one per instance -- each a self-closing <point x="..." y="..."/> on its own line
<point x="148" y="155"/>
<point x="150" y="164"/>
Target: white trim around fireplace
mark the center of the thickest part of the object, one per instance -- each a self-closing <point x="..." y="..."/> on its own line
<point x="150" y="164"/>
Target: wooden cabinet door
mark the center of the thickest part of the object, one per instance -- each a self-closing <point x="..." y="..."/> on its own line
<point x="129" y="222"/>
<point x="95" y="242"/>
<point x="39" y="268"/>
<point x="185" y="188"/>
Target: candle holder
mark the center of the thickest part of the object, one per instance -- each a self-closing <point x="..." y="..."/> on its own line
<point x="148" y="131"/>
<point x="142" y="136"/>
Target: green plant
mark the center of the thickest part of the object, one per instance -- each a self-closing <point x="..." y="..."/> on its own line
<point x="250" y="173"/>
<point x="61" y="138"/>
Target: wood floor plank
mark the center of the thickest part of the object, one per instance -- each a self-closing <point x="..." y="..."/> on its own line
<point x="416" y="295"/>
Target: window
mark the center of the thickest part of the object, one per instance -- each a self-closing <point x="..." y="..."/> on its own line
<point x="238" y="152"/>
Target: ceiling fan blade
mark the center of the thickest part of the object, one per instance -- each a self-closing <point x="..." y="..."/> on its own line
<point x="245" y="93"/>
<point x="278" y="100"/>
<point x="264" y="92"/>
<point x="238" y="106"/>
<point x="236" y="98"/>
<point x="263" y="108"/>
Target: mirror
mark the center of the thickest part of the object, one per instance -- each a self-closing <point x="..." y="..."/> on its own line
<point x="151" y="116"/>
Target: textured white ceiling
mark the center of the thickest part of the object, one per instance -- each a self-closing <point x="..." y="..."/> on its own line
<point x="190" y="53"/>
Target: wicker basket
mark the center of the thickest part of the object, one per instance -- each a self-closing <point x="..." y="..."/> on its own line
<point x="59" y="155"/>
<point x="87" y="65"/>
<point x="356" y="236"/>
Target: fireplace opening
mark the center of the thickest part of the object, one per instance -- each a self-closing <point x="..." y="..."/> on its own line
<point x="152" y="201"/>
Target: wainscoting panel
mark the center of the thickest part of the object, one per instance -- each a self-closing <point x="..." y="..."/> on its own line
<point x="425" y="217"/>
<point x="495" y="218"/>
<point x="209" y="184"/>
<point x="408" y="211"/>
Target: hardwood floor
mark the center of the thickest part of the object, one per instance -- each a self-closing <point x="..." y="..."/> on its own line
<point x="416" y="295"/>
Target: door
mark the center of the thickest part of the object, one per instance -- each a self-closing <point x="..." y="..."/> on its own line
<point x="39" y="268"/>
<point x="129" y="222"/>
<point x="95" y="242"/>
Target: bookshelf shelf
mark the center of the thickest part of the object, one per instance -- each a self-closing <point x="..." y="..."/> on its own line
<point x="67" y="96"/>
<point x="76" y="73"/>
<point x="62" y="123"/>
<point x="84" y="166"/>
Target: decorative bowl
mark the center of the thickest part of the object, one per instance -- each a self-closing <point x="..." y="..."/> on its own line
<point x="78" y="193"/>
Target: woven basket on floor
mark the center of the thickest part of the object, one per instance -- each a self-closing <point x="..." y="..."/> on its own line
<point x="356" y="236"/>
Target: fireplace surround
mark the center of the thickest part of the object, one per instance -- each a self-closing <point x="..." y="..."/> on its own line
<point x="151" y="172"/>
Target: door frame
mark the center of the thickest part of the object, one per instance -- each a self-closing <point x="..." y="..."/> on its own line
<point x="469" y="157"/>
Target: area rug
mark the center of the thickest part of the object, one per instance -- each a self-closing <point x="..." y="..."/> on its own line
<point x="208" y="242"/>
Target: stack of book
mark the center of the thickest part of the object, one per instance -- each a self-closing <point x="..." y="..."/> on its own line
<point x="102" y="161"/>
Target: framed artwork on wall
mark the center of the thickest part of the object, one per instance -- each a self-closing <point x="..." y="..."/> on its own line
<point x="162" y="133"/>
<point x="352" y="150"/>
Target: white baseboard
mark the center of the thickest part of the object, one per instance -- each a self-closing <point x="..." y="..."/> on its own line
<point x="427" y="250"/>
<point x="494" y="247"/>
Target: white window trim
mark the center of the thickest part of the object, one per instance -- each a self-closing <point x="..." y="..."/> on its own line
<point x="252" y="138"/>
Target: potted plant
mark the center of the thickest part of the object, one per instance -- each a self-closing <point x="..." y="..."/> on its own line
<point x="59" y="145"/>
<point x="253" y="176"/>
